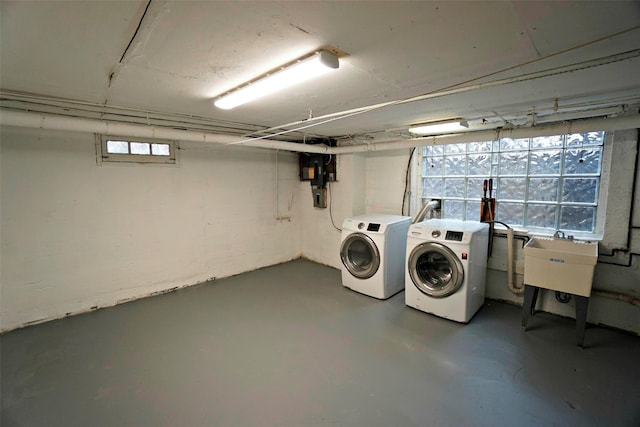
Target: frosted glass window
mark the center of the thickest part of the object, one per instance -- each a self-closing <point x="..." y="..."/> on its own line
<point x="546" y="162"/>
<point x="473" y="211"/>
<point x="432" y="187"/>
<point x="433" y="150"/>
<point x="582" y="161"/>
<point x="547" y="142"/>
<point x="160" y="149"/>
<point x="508" y="144"/>
<point x="514" y="163"/>
<point x="541" y="216"/>
<point x="453" y="209"/>
<point x="543" y="189"/>
<point x="512" y="188"/>
<point x="432" y="166"/>
<point x="578" y="218"/>
<point x="511" y="213"/>
<point x="549" y="182"/>
<point x="117" y="147"/>
<point x="479" y="147"/>
<point x="455" y="148"/>
<point x="589" y="138"/>
<point x="455" y="165"/>
<point x="479" y="164"/>
<point x="454" y="187"/>
<point x="580" y="190"/>
<point x="140" y="148"/>
<point x="474" y="188"/>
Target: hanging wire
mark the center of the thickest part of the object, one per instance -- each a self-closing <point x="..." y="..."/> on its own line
<point x="331" y="207"/>
<point x="406" y="182"/>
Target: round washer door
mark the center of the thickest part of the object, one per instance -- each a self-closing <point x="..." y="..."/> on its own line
<point x="360" y="255"/>
<point x="435" y="269"/>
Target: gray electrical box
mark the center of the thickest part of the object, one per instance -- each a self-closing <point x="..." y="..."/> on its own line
<point x="319" y="197"/>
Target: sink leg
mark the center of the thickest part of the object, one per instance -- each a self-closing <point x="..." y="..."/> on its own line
<point x="582" y="306"/>
<point x="529" y="304"/>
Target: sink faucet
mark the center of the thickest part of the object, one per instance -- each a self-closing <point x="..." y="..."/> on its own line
<point x="560" y="235"/>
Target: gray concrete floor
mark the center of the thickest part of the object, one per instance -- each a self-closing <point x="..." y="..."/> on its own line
<point x="289" y="346"/>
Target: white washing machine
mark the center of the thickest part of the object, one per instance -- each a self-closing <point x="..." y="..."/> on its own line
<point x="373" y="254"/>
<point x="446" y="267"/>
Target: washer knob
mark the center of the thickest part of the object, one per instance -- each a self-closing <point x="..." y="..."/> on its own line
<point x="361" y="226"/>
<point x="435" y="233"/>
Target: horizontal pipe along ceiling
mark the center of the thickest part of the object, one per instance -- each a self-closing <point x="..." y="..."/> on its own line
<point x="72" y="124"/>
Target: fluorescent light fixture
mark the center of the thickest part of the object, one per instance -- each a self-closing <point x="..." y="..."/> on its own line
<point x="440" y="127"/>
<point x="302" y="70"/>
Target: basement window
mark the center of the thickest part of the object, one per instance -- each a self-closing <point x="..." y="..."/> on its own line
<point x="540" y="184"/>
<point x="118" y="149"/>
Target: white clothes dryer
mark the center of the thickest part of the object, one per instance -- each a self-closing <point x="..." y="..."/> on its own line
<point x="446" y="267"/>
<point x="373" y="254"/>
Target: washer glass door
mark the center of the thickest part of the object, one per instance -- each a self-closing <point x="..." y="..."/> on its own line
<point x="435" y="269"/>
<point x="360" y="255"/>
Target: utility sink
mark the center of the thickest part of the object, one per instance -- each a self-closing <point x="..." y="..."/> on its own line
<point x="560" y="264"/>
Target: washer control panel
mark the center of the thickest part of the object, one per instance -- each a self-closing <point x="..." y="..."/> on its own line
<point x="455" y="236"/>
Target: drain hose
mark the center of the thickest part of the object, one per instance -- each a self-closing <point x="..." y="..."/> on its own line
<point x="428" y="208"/>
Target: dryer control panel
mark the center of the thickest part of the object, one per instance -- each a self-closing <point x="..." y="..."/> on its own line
<point x="372" y="226"/>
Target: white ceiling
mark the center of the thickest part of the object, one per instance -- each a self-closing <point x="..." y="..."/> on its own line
<point x="186" y="53"/>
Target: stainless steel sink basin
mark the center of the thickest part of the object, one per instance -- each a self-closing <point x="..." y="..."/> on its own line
<point x="560" y="264"/>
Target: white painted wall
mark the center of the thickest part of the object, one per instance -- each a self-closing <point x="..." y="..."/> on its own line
<point x="385" y="181"/>
<point x="76" y="235"/>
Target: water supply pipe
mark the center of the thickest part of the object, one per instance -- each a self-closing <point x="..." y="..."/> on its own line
<point x="617" y="296"/>
<point x="510" y="278"/>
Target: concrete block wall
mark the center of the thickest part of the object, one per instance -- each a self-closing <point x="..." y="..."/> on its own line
<point x="76" y="235"/>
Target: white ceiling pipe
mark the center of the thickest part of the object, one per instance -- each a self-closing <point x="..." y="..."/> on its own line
<point x="579" y="126"/>
<point x="75" y="124"/>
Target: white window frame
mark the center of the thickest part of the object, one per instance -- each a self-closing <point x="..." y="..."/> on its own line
<point x="105" y="157"/>
<point x="601" y="206"/>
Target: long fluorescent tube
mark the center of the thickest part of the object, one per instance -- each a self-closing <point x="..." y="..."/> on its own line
<point x="319" y="63"/>
<point x="442" y="127"/>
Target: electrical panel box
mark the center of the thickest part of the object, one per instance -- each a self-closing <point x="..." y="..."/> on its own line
<point x="317" y="168"/>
